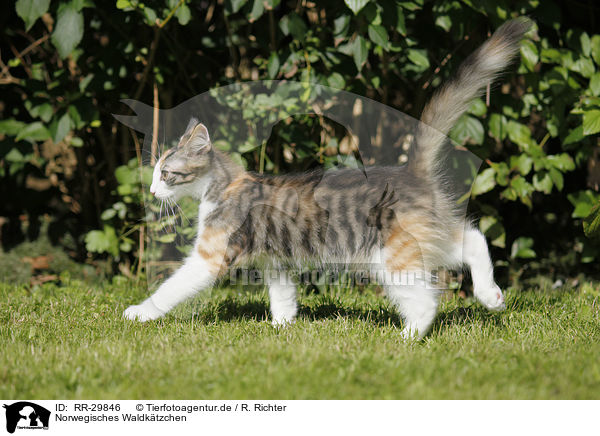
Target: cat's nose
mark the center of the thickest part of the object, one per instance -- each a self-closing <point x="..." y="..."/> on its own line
<point x="152" y="190"/>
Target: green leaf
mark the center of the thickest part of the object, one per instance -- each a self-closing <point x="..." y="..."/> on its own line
<point x="77" y="122"/>
<point x="413" y="5"/>
<point x="102" y="241"/>
<point x="595" y="49"/>
<point x="149" y="15"/>
<point x="11" y="127"/>
<point x="467" y="129"/>
<point x="124" y="4"/>
<point x="522" y="189"/>
<point x="108" y="214"/>
<point x="519" y="134"/>
<point x="126" y="245"/>
<point x="124" y="190"/>
<point x="493" y="230"/>
<point x="550" y="55"/>
<point x="529" y="54"/>
<point x="232" y="6"/>
<point x="31" y="10"/>
<point x="497" y="126"/>
<point x="258" y="8"/>
<point x="95" y="242"/>
<point x="273" y="65"/>
<point x="444" y="21"/>
<point x="126" y="175"/>
<point x="43" y="111"/>
<point x="583" y="201"/>
<point x="585" y="42"/>
<point x="595" y="84"/>
<point x="591" y="122"/>
<point x="583" y="66"/>
<point x="582" y="210"/>
<point x="521" y="248"/>
<point x="296" y="26"/>
<point x="359" y="52"/>
<point x="62" y="128"/>
<point x="419" y="58"/>
<point x="120" y="208"/>
<point x="401" y="23"/>
<point x="378" y="35"/>
<point x="336" y="80"/>
<point x="523" y="163"/>
<point x="484" y="182"/>
<point x="502" y="172"/>
<point x="557" y="178"/>
<point x="574" y="135"/>
<point x="76" y="142"/>
<point x="562" y="162"/>
<point x="34" y="132"/>
<point x="356" y="5"/>
<point x="341" y="26"/>
<point x="15" y="155"/>
<point x="68" y="31"/>
<point x="166" y="238"/>
<point x="147" y="173"/>
<point x="478" y="108"/>
<point x="542" y="182"/>
<point x="591" y="223"/>
<point x="183" y="14"/>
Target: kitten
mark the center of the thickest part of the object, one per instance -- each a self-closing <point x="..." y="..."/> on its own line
<point x="414" y="226"/>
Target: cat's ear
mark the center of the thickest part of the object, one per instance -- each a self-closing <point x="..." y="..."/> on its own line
<point x="199" y="140"/>
<point x="190" y="127"/>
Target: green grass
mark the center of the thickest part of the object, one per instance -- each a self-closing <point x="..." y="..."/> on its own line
<point x="70" y="342"/>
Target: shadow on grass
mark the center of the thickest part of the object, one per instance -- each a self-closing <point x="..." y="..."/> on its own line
<point x="380" y="316"/>
<point x="226" y="309"/>
<point x="466" y="315"/>
<point x="230" y="309"/>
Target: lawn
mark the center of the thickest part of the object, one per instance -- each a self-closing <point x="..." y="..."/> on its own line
<point x="70" y="342"/>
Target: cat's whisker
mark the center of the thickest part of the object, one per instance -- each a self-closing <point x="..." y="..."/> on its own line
<point x="167" y="216"/>
<point x="155" y="156"/>
<point x="181" y="212"/>
<point x="173" y="219"/>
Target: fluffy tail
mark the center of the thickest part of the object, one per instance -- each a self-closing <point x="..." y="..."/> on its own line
<point x="455" y="97"/>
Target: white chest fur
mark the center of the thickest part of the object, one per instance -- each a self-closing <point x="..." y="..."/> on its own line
<point x="205" y="208"/>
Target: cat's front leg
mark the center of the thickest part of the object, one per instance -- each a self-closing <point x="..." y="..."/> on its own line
<point x="282" y="293"/>
<point x="145" y="311"/>
<point x="194" y="275"/>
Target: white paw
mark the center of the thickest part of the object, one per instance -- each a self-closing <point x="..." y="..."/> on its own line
<point x="146" y="311"/>
<point x="282" y="322"/>
<point x="491" y="298"/>
<point x="410" y="334"/>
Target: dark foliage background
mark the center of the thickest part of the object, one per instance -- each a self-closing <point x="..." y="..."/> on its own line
<point x="68" y="169"/>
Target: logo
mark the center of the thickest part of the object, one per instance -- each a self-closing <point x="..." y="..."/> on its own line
<point x="26" y="415"/>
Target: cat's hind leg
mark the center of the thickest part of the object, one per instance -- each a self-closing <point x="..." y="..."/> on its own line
<point x="418" y="305"/>
<point x="477" y="256"/>
<point x="406" y="282"/>
<point x="282" y="295"/>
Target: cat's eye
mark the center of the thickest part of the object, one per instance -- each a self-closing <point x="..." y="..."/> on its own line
<point x="164" y="175"/>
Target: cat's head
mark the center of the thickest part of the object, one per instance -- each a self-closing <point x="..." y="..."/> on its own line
<point x="180" y="169"/>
